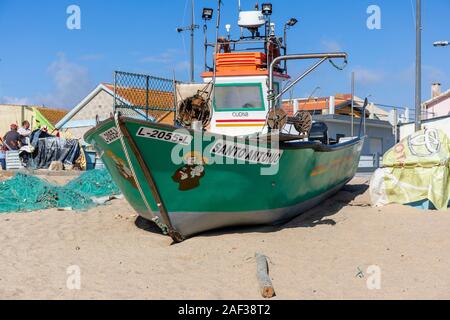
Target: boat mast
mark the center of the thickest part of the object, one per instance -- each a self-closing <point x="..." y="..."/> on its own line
<point x="219" y="3"/>
<point x="191" y="28"/>
<point x="192" y="42"/>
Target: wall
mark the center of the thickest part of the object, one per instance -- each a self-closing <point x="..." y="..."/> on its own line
<point x="438" y="123"/>
<point x="439" y="109"/>
<point x="101" y="105"/>
<point x="77" y="133"/>
<point x="14" y="114"/>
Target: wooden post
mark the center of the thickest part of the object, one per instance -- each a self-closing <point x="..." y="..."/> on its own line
<point x="262" y="273"/>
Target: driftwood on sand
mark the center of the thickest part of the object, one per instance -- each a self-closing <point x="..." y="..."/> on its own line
<point x="262" y="273"/>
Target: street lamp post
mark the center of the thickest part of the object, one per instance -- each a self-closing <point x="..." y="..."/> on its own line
<point x="289" y="24"/>
<point x="418" y="119"/>
<point x="353" y="104"/>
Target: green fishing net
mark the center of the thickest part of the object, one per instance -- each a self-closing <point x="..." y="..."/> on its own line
<point x="25" y="193"/>
<point x="94" y="183"/>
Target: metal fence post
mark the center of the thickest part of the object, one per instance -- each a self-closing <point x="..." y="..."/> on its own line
<point x="147" y="87"/>
<point x="175" y="100"/>
<point x="115" y="90"/>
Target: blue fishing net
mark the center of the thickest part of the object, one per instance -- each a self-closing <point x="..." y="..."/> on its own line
<point x="25" y="193"/>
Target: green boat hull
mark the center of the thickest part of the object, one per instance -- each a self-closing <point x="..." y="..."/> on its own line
<point x="207" y="194"/>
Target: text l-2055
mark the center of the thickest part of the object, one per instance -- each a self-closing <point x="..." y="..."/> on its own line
<point x="162" y="135"/>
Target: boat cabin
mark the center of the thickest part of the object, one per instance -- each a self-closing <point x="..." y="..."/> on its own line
<point x="241" y="74"/>
<point x="240" y="106"/>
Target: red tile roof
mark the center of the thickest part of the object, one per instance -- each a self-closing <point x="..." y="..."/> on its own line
<point x="52" y="115"/>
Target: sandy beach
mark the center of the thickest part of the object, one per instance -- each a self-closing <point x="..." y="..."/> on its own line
<point x="324" y="254"/>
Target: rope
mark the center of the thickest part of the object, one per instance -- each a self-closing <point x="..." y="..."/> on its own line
<point x="339" y="67"/>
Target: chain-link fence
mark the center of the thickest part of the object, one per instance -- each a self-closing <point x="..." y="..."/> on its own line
<point x="144" y="96"/>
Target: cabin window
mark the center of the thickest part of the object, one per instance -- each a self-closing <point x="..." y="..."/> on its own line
<point x="231" y="97"/>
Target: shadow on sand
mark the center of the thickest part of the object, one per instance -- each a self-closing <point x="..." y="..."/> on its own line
<point x="318" y="216"/>
<point x="321" y="214"/>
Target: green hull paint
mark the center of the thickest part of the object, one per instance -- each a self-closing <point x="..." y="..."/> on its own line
<point x="304" y="174"/>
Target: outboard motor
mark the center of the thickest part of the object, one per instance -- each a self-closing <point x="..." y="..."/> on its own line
<point x="319" y="132"/>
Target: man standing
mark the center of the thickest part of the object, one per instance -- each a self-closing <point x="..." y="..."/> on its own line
<point x="25" y="132"/>
<point x="12" y="139"/>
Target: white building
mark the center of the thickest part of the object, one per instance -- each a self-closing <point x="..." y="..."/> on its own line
<point x="436" y="113"/>
<point x="439" y="104"/>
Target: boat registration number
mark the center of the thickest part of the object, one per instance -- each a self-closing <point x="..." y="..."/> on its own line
<point x="173" y="137"/>
<point x="110" y="136"/>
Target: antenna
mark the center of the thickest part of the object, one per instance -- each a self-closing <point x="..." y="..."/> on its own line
<point x="239" y="5"/>
<point x="191" y="28"/>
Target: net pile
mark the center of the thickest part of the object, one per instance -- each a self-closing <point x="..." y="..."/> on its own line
<point x="25" y="193"/>
<point x="94" y="183"/>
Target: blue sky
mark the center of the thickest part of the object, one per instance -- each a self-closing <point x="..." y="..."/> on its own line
<point x="42" y="62"/>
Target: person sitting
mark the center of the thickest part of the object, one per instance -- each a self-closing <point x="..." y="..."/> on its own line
<point x="12" y="139"/>
<point x="25" y="132"/>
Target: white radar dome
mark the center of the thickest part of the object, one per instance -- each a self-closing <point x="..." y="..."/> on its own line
<point x="251" y="19"/>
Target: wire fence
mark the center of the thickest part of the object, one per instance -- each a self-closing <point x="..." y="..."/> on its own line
<point x="144" y="96"/>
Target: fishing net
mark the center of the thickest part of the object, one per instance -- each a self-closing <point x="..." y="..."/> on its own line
<point x="94" y="183"/>
<point x="25" y="193"/>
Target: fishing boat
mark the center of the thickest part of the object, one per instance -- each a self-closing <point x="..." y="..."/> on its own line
<point x="232" y="157"/>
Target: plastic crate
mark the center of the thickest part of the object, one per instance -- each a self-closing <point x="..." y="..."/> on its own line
<point x="13" y="161"/>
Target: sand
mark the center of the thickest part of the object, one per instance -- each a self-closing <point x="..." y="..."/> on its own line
<point x="323" y="255"/>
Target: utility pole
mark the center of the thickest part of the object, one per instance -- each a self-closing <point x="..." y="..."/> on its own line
<point x="418" y="121"/>
<point x="191" y="28"/>
<point x="353" y="105"/>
